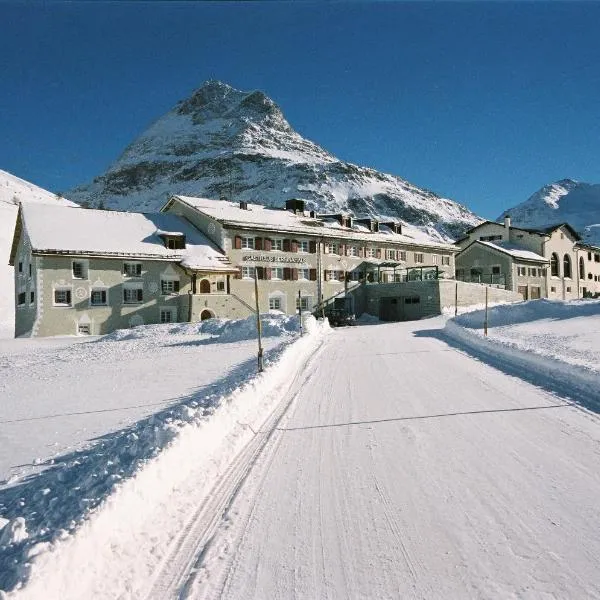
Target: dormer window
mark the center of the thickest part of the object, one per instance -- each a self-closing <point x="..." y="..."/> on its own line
<point x="175" y="242"/>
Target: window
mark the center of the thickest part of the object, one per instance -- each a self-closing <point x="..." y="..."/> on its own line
<point x="169" y="286"/>
<point x="167" y="315"/>
<point x="277" y="273"/>
<point x="275" y="303"/>
<point x="446" y="261"/>
<point x="276" y="244"/>
<point x="20" y="269"/>
<point x="21" y="299"/>
<point x="412" y="300"/>
<point x="390" y="254"/>
<point x="554" y="265"/>
<point x="596" y="257"/>
<point x="30" y="269"/>
<point x="131" y="269"/>
<point x="490" y="238"/>
<point x="332" y="248"/>
<point x="248" y="272"/>
<point x="496" y="270"/>
<point x="334" y="275"/>
<point x="371" y="253"/>
<point x="434" y="259"/>
<point x="352" y="250"/>
<point x="522" y="271"/>
<point x="568" y="289"/>
<point x="62" y="297"/>
<point x="590" y="276"/>
<point x="79" y="270"/>
<point x="176" y="242"/>
<point x="567" y="266"/>
<point x="133" y="295"/>
<point x="303" y="303"/>
<point x="98" y="297"/>
<point x="303" y="246"/>
<point x="552" y="289"/>
<point x="589" y="256"/>
<point x="304" y="274"/>
<point x="401" y="255"/>
<point x="31" y="297"/>
<point x="220" y="286"/>
<point x="581" y="268"/>
<point x="419" y="257"/>
<point x="248" y="243"/>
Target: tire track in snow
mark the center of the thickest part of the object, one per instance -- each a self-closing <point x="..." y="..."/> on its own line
<point x="180" y="565"/>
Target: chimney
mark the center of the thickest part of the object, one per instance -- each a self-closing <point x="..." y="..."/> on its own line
<point x="243" y="205"/>
<point x="506" y="232"/>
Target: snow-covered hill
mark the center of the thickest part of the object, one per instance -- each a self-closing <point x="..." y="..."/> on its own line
<point x="225" y="143"/>
<point x="12" y="191"/>
<point x="566" y="200"/>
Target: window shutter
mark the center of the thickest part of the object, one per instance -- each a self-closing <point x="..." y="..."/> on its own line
<point x="268" y="244"/>
<point x="260" y="272"/>
<point x="237" y="242"/>
<point x="267" y="273"/>
<point x="124" y="294"/>
<point x="343" y="249"/>
<point x="103" y="296"/>
<point x="176" y="286"/>
<point x="294" y="245"/>
<point x="378" y="253"/>
<point x="286" y="273"/>
<point x="68" y="296"/>
<point x="140" y="294"/>
<point x="286" y="245"/>
<point x="313" y="275"/>
<point x="258" y="243"/>
<point x="294" y="274"/>
<point x="312" y="247"/>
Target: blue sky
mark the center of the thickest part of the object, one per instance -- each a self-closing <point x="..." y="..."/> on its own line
<point x="480" y="102"/>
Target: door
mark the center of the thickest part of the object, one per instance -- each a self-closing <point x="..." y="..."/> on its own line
<point x="205" y="286"/>
<point x="535" y="292"/>
<point x="522" y="289"/>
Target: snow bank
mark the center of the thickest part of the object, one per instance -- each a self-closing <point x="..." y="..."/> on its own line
<point x="81" y="530"/>
<point x="218" y="330"/>
<point x="556" y="343"/>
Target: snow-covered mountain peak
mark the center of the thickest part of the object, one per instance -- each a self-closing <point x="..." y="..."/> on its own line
<point x="567" y="200"/>
<point x="225" y="143"/>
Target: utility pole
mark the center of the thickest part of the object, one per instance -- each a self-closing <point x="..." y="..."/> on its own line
<point x="300" y="310"/>
<point x="258" y="324"/>
<point x="485" y="322"/>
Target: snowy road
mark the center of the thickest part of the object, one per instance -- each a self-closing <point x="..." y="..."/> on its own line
<point x="406" y="469"/>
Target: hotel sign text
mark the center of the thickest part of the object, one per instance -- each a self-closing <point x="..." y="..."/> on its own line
<point x="266" y="258"/>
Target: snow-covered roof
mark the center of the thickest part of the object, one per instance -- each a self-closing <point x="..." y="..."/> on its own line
<point x="73" y="230"/>
<point x="513" y="250"/>
<point x="261" y="217"/>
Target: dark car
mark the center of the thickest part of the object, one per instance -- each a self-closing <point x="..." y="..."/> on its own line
<point x="339" y="317"/>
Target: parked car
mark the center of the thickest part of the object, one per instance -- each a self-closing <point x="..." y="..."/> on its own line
<point x="339" y="317"/>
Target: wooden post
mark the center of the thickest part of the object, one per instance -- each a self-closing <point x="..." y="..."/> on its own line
<point x="456" y="299"/>
<point x="258" y="324"/>
<point x="300" y="310"/>
<point x="485" y="322"/>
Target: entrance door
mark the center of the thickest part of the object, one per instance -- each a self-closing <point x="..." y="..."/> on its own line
<point x="205" y="286"/>
<point x="522" y="289"/>
<point x="390" y="309"/>
<point x="535" y="292"/>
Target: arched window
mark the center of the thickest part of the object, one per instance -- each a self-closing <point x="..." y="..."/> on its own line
<point x="567" y="266"/>
<point x="207" y="314"/>
<point x="554" y="265"/>
<point x="581" y="268"/>
<point x="205" y="286"/>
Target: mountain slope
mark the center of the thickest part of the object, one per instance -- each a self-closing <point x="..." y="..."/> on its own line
<point x="566" y="200"/>
<point x="225" y="143"/>
<point x="12" y="191"/>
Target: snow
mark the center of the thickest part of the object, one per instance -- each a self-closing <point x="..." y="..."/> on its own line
<point x="415" y="459"/>
<point x="514" y="250"/>
<point x="262" y="217"/>
<point x="88" y="231"/>
<point x="79" y="424"/>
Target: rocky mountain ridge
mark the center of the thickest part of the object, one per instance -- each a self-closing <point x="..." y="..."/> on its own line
<point x="224" y="143"/>
<point x="564" y="201"/>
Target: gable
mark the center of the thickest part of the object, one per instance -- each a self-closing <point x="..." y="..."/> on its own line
<point x="19" y="231"/>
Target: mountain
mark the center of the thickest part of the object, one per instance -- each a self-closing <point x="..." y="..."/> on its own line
<point x="225" y="143"/>
<point x="569" y="201"/>
<point x="12" y="191"/>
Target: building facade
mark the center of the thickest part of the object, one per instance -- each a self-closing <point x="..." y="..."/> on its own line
<point x="534" y="262"/>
